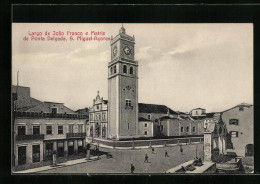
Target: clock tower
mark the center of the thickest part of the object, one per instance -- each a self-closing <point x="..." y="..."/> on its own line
<point x="122" y="88"/>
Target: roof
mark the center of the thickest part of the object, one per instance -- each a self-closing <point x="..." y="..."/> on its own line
<point x="45" y="107"/>
<point x="168" y="117"/>
<point x="83" y="111"/>
<point x="239" y="105"/>
<point x="153" y="108"/>
<point x="198" y="109"/>
<point x="143" y="119"/>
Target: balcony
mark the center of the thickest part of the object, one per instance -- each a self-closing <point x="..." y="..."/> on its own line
<point x="29" y="137"/>
<point x="75" y="135"/>
<point x="38" y="115"/>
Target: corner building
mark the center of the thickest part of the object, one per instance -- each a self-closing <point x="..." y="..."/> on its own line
<point x="122" y="88"/>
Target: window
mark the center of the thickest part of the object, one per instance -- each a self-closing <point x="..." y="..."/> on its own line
<point x="149" y="116"/>
<point x="162" y="127"/>
<point x="70" y="128"/>
<point x="54" y="110"/>
<point x="114" y="68"/>
<point x="36" y="130"/>
<point x="60" y="129"/>
<point x="241" y="108"/>
<point x="21" y="130"/>
<point x="128" y="103"/>
<point x="156" y="120"/>
<point x="233" y="121"/>
<point x="36" y="153"/>
<point x="111" y="70"/>
<point x="49" y="129"/>
<point x="194" y="129"/>
<point x="196" y="112"/>
<point x="104" y="116"/>
<point x="128" y="126"/>
<point x="145" y="125"/>
<point x="97" y="107"/>
<point x="99" y="117"/>
<point x="233" y="133"/>
<point x="124" y="69"/>
<point x="181" y="129"/>
<point x="145" y="132"/>
<point x="131" y="70"/>
<point x="187" y="129"/>
<point x="80" y="128"/>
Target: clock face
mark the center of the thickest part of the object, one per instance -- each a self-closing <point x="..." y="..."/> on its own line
<point x="127" y="50"/>
<point x="115" y="50"/>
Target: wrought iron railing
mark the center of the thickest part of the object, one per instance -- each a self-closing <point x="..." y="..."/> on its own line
<point x="29" y="137"/>
<point x="76" y="135"/>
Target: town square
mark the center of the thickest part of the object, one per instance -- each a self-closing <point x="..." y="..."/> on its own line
<point x="131" y="104"/>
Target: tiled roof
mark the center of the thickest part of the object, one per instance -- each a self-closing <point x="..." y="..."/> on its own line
<point x="198" y="108"/>
<point x="45" y="107"/>
<point x="83" y="111"/>
<point x="153" y="108"/>
<point x="239" y="105"/>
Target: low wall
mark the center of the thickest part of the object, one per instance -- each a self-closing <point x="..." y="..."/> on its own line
<point x="152" y="142"/>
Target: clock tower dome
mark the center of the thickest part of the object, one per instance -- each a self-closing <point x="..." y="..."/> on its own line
<point x="122" y="88"/>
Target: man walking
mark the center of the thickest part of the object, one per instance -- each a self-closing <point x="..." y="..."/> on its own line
<point x="146" y="158"/>
<point x="181" y="149"/>
<point x="132" y="168"/>
<point x="166" y="154"/>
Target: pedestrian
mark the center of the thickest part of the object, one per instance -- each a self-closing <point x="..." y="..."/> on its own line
<point x="146" y="158"/>
<point x="166" y="154"/>
<point x="153" y="151"/>
<point x="181" y="149"/>
<point x="132" y="168"/>
<point x="97" y="149"/>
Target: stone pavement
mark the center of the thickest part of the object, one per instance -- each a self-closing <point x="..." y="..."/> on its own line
<point x="45" y="168"/>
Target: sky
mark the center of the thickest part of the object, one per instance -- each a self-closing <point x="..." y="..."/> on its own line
<point x="182" y="66"/>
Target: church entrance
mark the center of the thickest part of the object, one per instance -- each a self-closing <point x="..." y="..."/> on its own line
<point x="97" y="130"/>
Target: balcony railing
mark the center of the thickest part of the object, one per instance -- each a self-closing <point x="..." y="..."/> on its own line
<point x="29" y="137"/>
<point x="49" y="115"/>
<point x="76" y="135"/>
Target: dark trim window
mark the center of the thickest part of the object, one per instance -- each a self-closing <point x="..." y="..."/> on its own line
<point x="233" y="133"/>
<point x="194" y="129"/>
<point x="21" y="130"/>
<point x="145" y="132"/>
<point x="181" y="129"/>
<point x="36" y="130"/>
<point x="128" y="126"/>
<point x="145" y="125"/>
<point x="124" y="69"/>
<point x="60" y="129"/>
<point x="187" y="129"/>
<point x="149" y="116"/>
<point x="131" y="70"/>
<point x="233" y="121"/>
<point x="111" y="70"/>
<point x="48" y="129"/>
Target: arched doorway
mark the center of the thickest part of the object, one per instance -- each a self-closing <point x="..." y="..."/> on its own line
<point x="249" y="150"/>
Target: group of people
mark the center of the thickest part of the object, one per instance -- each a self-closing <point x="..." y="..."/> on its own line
<point x="153" y="152"/>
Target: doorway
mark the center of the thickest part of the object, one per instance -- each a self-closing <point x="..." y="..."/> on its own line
<point x="249" y="150"/>
<point x="70" y="148"/>
<point x="21" y="155"/>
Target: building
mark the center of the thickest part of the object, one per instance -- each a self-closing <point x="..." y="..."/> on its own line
<point x="198" y="112"/>
<point x="146" y="127"/>
<point x="98" y="113"/>
<point x="44" y="128"/>
<point x="240" y="126"/>
<point x="122" y="88"/>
